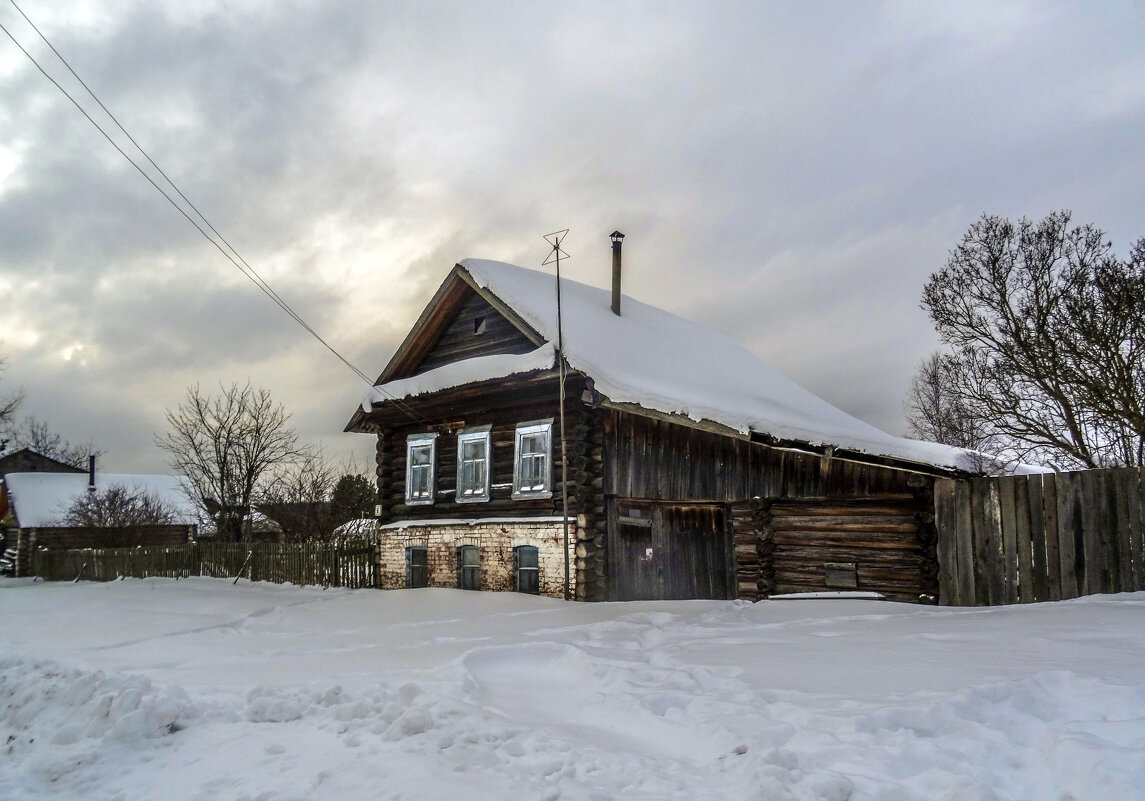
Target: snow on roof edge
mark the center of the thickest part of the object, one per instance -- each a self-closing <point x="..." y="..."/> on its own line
<point x="625" y="357"/>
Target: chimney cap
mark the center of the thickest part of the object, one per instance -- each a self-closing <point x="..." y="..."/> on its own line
<point x="616" y="236"/>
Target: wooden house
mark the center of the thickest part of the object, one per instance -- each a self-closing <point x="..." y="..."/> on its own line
<point x="692" y="469"/>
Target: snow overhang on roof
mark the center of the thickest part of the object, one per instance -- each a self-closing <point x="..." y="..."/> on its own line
<point x="654" y="360"/>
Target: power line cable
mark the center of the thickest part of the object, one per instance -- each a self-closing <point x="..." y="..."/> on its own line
<point x="237" y="260"/>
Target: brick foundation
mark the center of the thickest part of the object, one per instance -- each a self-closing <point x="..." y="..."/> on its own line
<point x="495" y="539"/>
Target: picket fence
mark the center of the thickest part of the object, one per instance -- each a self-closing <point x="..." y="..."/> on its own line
<point x="348" y="562"/>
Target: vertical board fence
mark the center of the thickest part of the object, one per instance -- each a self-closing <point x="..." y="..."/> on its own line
<point x="349" y="562"/>
<point x="1049" y="537"/>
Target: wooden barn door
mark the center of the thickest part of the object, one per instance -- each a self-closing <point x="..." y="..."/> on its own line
<point x="662" y="551"/>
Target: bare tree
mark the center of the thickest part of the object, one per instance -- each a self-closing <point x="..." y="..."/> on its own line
<point x="8" y="407"/>
<point x="224" y="445"/>
<point x="936" y="412"/>
<point x="297" y="497"/>
<point x="1047" y="327"/>
<point x="119" y="505"/>
<point x="38" y="436"/>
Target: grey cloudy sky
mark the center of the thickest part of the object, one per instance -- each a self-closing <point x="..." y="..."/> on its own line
<point x="789" y="173"/>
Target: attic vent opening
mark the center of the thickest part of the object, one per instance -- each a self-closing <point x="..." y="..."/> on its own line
<point x="478" y="325"/>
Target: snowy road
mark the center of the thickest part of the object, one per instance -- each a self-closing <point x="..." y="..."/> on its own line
<point x="199" y="689"/>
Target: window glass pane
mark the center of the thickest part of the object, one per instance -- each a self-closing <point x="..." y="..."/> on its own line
<point x="472" y="466"/>
<point x="531" y="471"/>
<point x="418" y="573"/>
<point x="526" y="556"/>
<point x="419" y="473"/>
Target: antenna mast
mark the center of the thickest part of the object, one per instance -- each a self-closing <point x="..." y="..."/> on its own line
<point x="555" y="239"/>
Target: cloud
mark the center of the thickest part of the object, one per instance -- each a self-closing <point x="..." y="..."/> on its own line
<point x="785" y="174"/>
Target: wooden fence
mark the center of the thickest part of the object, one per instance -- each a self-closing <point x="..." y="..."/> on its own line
<point x="1020" y="539"/>
<point x="349" y="562"/>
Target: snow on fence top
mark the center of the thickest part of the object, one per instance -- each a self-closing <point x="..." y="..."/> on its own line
<point x="665" y="363"/>
<point x="42" y="499"/>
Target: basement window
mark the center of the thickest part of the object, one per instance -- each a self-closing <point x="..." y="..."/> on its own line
<point x="532" y="462"/>
<point x="417" y="567"/>
<point x="420" y="452"/>
<point x="473" y="465"/>
<point x="528" y="569"/>
<point x="469" y="567"/>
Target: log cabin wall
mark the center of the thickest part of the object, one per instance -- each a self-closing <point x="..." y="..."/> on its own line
<point x="880" y="519"/>
<point x="503" y="404"/>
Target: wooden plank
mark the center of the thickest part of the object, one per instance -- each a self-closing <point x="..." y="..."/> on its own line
<point x="1135" y="508"/>
<point x="946" y="546"/>
<point x="1022" y="538"/>
<point x="1120" y="569"/>
<point x="964" y="543"/>
<point x="1052" y="533"/>
<point x="979" y="501"/>
<point x="1009" y="527"/>
<point x="1070" y="544"/>
<point x="993" y="545"/>
<point x="1094" y="556"/>
<point x="1040" y="586"/>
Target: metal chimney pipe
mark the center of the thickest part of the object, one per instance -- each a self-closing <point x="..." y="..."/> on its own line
<point x="91" y="473"/>
<point x="617" y="241"/>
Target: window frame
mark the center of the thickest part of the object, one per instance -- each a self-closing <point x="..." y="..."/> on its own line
<point x="475" y="434"/>
<point x="410" y="551"/>
<point x="414" y="441"/>
<point x="462" y="567"/>
<point x="535" y="570"/>
<point x="523" y="430"/>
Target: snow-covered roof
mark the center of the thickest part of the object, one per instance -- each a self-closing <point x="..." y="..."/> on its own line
<point x="42" y="499"/>
<point x="662" y="362"/>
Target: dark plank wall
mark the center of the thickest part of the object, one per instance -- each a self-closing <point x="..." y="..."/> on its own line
<point x="658" y="460"/>
<point x="459" y="341"/>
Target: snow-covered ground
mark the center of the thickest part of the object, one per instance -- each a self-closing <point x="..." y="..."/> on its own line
<point x="199" y="689"/>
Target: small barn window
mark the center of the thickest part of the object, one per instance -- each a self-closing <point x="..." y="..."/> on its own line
<point x="473" y="465"/>
<point x="532" y="464"/>
<point x="478" y="325"/>
<point x="420" y="453"/>
<point x="469" y="567"/>
<point x="417" y="567"/>
<point x="528" y="570"/>
<point x="843" y="575"/>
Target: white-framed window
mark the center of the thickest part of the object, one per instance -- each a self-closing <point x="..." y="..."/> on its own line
<point x="473" y="457"/>
<point x="532" y="460"/>
<point x="421" y="453"/>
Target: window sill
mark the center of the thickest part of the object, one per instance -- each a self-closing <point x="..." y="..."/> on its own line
<point x="532" y="496"/>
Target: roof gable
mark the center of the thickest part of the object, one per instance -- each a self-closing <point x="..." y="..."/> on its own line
<point x="477" y="329"/>
<point x="27" y="460"/>
<point x="456" y="298"/>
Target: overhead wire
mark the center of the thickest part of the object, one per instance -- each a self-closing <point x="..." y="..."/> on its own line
<point x="236" y="259"/>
